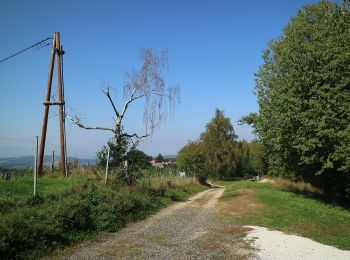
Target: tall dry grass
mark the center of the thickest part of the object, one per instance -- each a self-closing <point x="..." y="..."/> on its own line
<point x="294" y="186"/>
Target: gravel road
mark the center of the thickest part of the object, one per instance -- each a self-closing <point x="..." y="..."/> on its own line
<point x="275" y="245"/>
<point x="185" y="230"/>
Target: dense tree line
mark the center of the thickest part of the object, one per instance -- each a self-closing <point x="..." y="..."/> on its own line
<point x="303" y="91"/>
<point x="218" y="154"/>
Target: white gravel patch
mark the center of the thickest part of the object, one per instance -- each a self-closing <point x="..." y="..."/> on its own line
<point x="271" y="244"/>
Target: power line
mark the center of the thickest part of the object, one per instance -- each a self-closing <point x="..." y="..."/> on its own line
<point x="15" y="147"/>
<point x="39" y="44"/>
<point x="15" y="139"/>
<point x="4" y="139"/>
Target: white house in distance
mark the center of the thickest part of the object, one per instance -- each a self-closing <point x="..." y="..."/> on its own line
<point x="162" y="165"/>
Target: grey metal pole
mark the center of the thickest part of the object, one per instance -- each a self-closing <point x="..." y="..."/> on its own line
<point x="35" y="164"/>
<point x="107" y="166"/>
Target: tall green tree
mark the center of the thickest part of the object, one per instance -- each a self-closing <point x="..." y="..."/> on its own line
<point x="138" y="159"/>
<point x="159" y="158"/>
<point x="243" y="163"/>
<point x="191" y="159"/>
<point x="219" y="146"/>
<point x="257" y="158"/>
<point x="117" y="153"/>
<point x="303" y="90"/>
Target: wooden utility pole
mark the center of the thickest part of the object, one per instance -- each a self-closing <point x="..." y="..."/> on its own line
<point x="56" y="52"/>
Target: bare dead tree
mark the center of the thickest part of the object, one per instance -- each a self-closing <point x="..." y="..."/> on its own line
<point x="145" y="84"/>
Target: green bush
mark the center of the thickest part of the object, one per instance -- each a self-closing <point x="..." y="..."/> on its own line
<point x="72" y="214"/>
<point x="32" y="227"/>
<point x="107" y="216"/>
<point x="26" y="234"/>
<point x="127" y="176"/>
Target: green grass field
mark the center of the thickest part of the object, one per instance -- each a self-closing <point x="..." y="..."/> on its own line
<point x="23" y="186"/>
<point x="289" y="212"/>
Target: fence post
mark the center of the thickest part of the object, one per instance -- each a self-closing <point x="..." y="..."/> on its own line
<point x="107" y="166"/>
<point x="35" y="164"/>
<point x="53" y="160"/>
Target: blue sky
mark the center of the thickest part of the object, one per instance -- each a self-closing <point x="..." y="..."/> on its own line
<point x="215" y="48"/>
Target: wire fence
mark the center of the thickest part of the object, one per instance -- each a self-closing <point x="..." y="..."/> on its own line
<point x="17" y="159"/>
<point x="17" y="154"/>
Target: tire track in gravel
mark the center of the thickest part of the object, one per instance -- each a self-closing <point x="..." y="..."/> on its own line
<point x="184" y="230"/>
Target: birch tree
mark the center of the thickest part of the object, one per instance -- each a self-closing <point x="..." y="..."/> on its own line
<point x="146" y="84"/>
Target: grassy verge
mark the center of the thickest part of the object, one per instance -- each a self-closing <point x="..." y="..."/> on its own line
<point x="262" y="204"/>
<point x="73" y="209"/>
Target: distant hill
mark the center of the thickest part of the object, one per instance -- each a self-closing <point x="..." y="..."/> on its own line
<point x="28" y="161"/>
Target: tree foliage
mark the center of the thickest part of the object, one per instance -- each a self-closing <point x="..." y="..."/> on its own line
<point x="257" y="158"/>
<point x="159" y="158"/>
<point x="191" y="159"/>
<point x="219" y="143"/>
<point x="243" y="163"/>
<point x="138" y="159"/>
<point x="117" y="153"/>
<point x="303" y="90"/>
<point x="218" y="154"/>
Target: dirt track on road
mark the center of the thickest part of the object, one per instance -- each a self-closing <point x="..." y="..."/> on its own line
<point x="184" y="230"/>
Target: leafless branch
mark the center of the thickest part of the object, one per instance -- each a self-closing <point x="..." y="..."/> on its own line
<point x="135" y="135"/>
<point x="107" y="93"/>
<point x="76" y="120"/>
<point x="132" y="98"/>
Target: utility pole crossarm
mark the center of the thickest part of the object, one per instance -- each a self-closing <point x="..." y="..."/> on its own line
<point x="53" y="103"/>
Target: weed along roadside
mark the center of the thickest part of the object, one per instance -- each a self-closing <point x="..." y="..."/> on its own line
<point x="82" y="209"/>
<point x="272" y="205"/>
<point x="70" y="210"/>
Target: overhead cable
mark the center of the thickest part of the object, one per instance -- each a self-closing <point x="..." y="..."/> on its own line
<point x="38" y="44"/>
